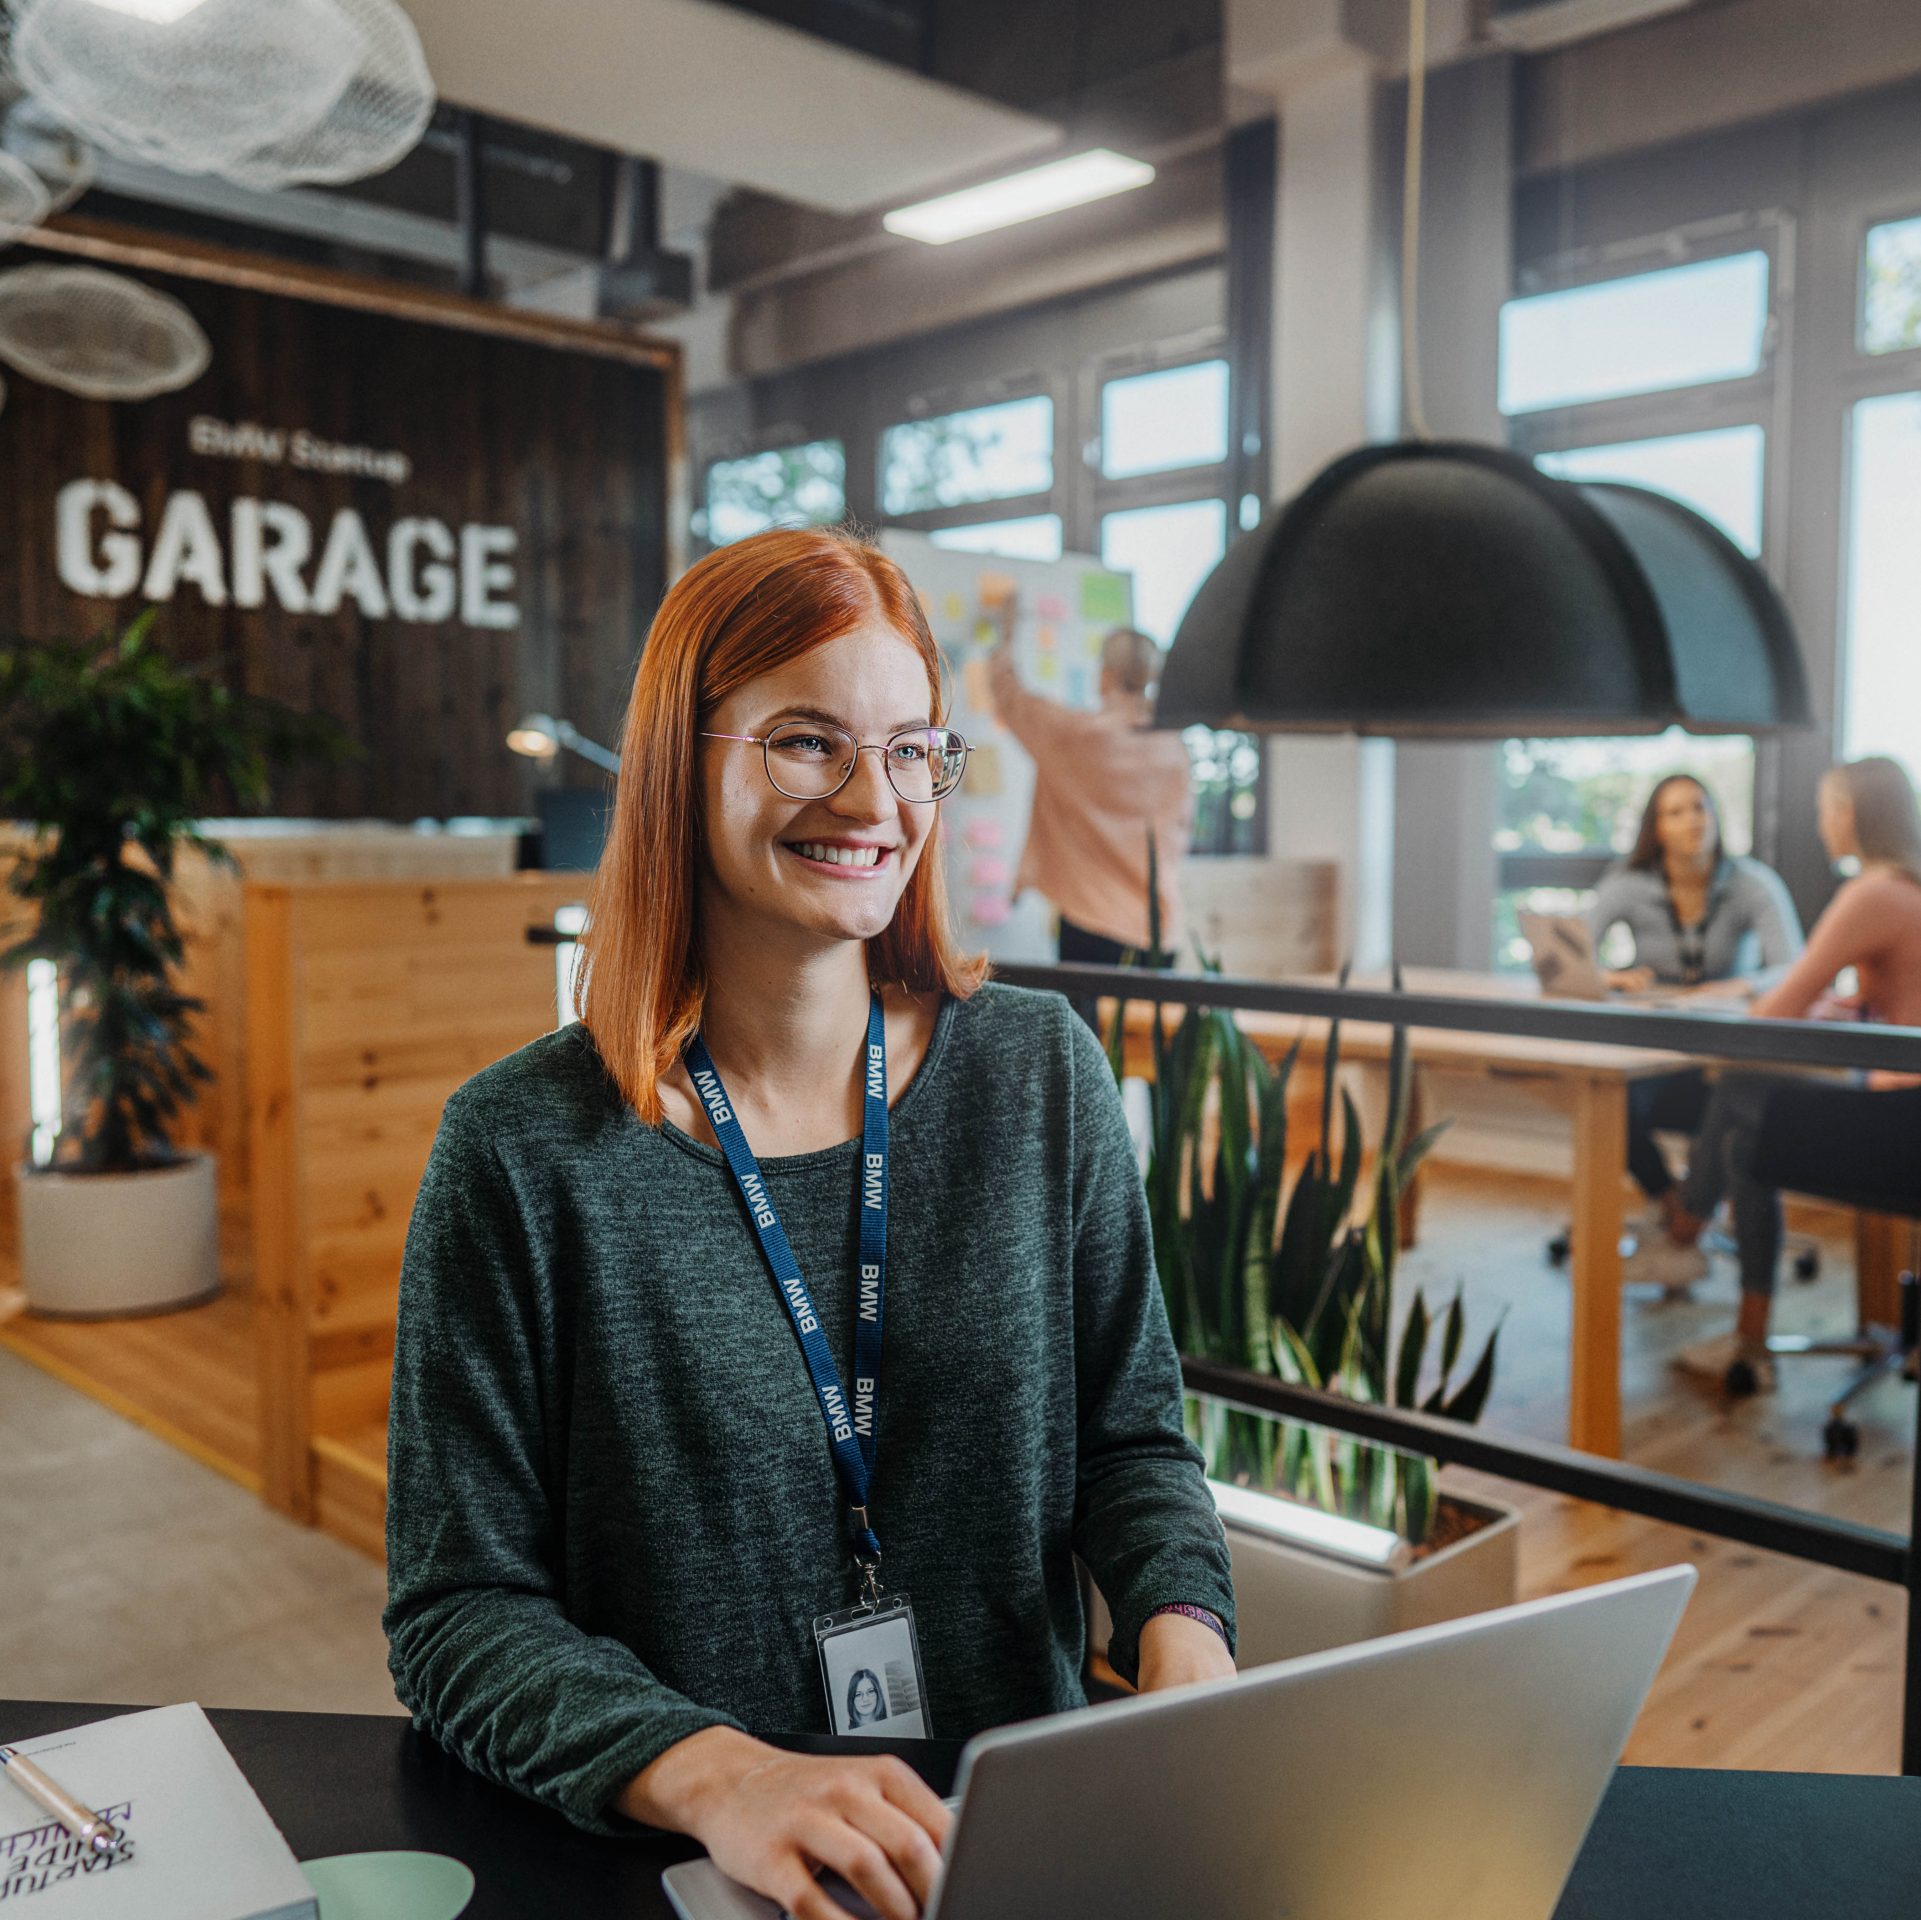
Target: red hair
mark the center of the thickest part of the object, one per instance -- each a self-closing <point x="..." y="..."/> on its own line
<point x="739" y="613"/>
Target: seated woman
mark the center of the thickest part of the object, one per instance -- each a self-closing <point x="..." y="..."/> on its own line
<point x="1696" y="913"/>
<point x="1867" y="814"/>
<point x="650" y="1463"/>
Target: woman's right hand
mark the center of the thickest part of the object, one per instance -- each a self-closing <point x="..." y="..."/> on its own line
<point x="772" y="1820"/>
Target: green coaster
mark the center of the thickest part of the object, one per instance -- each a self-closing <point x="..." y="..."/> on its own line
<point x="389" y="1886"/>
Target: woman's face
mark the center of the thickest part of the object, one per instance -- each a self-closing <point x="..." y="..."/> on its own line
<point x="833" y="868"/>
<point x="1682" y="823"/>
<point x="1834" y="818"/>
<point x="866" y="1698"/>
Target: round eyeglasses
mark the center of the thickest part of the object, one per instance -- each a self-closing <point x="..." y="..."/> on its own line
<point x="811" y="759"/>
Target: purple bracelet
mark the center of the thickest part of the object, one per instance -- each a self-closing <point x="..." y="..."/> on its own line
<point x="1188" y="1611"/>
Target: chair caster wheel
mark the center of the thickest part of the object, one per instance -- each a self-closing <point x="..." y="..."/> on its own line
<point x="1840" y="1439"/>
<point x="1741" y="1381"/>
<point x="1558" y="1250"/>
<point x="1807" y="1265"/>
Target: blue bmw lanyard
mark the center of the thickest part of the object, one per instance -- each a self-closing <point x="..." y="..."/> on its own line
<point x="850" y="1425"/>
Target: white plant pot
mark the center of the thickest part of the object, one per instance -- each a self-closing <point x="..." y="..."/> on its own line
<point x="94" y="1246"/>
<point x="1292" y="1599"/>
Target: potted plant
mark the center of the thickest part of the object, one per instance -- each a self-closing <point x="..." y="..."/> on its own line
<point x="109" y="754"/>
<point x="1289" y="1281"/>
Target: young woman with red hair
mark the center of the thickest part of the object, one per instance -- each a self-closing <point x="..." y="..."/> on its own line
<point x="649" y="1454"/>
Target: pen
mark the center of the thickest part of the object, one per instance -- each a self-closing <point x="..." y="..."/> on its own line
<point x="82" y="1822"/>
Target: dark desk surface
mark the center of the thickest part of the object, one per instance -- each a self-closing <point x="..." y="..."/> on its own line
<point x="1667" y="1844"/>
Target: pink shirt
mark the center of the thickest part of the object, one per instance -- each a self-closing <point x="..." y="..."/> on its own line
<point x="1874" y="926"/>
<point x="1103" y="782"/>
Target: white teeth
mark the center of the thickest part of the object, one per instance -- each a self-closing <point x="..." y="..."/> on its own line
<point x="839" y="856"/>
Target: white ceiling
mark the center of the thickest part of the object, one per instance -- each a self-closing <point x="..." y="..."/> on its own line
<point x="723" y="92"/>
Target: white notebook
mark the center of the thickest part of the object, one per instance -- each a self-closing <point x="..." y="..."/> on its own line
<point x="198" y="1844"/>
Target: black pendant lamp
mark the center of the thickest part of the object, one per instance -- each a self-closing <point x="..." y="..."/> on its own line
<point x="1444" y="587"/>
<point x="1449" y="588"/>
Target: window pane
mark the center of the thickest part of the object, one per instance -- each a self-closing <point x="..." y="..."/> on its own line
<point x="986" y="453"/>
<point x="1650" y="331"/>
<point x="1169" y="551"/>
<point x="1891" y="297"/>
<point x="785" y="486"/>
<point x="1037" y="537"/>
<point x="1574" y="796"/>
<point x="1151" y="422"/>
<point x="1882" y="649"/>
<point x="1718" y="474"/>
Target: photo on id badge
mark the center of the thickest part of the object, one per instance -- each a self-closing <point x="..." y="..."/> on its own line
<point x="870" y="1670"/>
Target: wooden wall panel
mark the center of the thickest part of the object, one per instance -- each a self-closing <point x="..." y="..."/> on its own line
<point x="569" y="442"/>
<point x="368" y="1004"/>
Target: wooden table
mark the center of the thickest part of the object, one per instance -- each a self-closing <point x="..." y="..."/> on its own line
<point x="1589" y="1081"/>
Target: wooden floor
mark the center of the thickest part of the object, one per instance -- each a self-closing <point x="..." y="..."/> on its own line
<point x="1777" y="1664"/>
<point x="186" y="1377"/>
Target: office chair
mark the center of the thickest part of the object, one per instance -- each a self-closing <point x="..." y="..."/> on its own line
<point x="1812" y="1140"/>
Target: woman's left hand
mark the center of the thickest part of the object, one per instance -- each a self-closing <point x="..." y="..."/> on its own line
<point x="1178" y="1652"/>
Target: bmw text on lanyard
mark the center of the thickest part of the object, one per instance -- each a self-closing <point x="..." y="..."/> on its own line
<point x="850" y="1425"/>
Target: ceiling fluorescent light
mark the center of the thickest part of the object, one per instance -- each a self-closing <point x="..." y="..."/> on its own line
<point x="1015" y="197"/>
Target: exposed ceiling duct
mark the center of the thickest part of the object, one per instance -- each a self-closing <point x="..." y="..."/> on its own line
<point x="1451" y="589"/>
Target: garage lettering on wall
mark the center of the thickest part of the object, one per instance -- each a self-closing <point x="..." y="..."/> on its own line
<point x="420" y="570"/>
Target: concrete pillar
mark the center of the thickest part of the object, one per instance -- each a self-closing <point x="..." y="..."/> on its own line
<point x="1334" y="387"/>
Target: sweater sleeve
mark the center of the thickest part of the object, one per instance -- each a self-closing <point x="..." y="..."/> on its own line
<point x="1776" y="924"/>
<point x="479" y="1642"/>
<point x="1611" y="896"/>
<point x="1144" y="1521"/>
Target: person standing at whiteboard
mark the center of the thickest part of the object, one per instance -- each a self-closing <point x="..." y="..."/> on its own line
<point x="1104" y="781"/>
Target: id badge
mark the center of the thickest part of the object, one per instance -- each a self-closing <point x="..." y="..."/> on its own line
<point x="870" y="1668"/>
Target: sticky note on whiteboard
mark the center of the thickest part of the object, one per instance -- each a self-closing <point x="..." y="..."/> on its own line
<point x="1049" y="606"/>
<point x="950" y="607"/>
<point x="976" y="686"/>
<point x="990" y="909"/>
<point x="996" y="589"/>
<point x="983" y="833"/>
<point x="983" y="778"/>
<point x="1104" y="597"/>
<point x="987" y="871"/>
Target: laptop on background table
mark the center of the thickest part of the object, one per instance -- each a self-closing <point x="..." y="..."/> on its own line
<point x="1450" y="1773"/>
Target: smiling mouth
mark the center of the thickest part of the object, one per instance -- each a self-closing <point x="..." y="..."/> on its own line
<point x="827" y="856"/>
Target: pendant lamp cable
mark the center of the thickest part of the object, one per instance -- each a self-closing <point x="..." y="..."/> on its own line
<point x="1412" y="409"/>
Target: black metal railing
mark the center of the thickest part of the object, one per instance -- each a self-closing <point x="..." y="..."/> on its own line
<point x="1840" y="1544"/>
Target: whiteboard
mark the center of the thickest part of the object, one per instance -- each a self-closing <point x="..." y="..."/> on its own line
<point x="1066" y="608"/>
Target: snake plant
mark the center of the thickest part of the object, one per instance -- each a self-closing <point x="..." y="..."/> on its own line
<point x="1296" y="1281"/>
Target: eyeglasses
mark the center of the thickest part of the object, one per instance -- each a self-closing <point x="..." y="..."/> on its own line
<point x="811" y="759"/>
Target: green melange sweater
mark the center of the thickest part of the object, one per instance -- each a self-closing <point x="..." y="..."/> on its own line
<point x="612" y="1516"/>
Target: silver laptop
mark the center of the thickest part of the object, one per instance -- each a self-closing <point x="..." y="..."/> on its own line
<point x="1561" y="946"/>
<point x="1449" y="1771"/>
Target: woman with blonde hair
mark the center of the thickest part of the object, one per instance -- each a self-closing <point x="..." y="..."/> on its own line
<point x="649" y="1455"/>
<point x="1847" y="1138"/>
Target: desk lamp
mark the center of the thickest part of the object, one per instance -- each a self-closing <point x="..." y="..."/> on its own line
<point x="540" y="737"/>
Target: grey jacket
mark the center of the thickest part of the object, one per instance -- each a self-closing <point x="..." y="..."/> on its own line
<point x="1750" y="923"/>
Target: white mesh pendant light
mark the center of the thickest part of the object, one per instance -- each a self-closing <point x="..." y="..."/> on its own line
<point x="24" y="199"/>
<point x="97" y="334"/>
<point x="377" y="119"/>
<point x="263" y="92"/>
<point x="195" y="92"/>
<point x="63" y="161"/>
